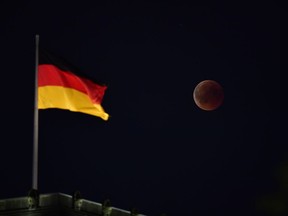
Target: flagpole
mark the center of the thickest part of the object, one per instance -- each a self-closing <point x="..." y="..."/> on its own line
<point x="35" y="138"/>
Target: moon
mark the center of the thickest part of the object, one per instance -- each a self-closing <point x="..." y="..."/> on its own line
<point x="208" y="95"/>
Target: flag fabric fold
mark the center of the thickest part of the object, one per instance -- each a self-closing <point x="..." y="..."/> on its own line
<point x="60" y="87"/>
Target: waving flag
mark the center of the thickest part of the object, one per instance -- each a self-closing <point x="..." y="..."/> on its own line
<point x="60" y="87"/>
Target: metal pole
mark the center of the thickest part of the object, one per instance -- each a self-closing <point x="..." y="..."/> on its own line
<point x="35" y="138"/>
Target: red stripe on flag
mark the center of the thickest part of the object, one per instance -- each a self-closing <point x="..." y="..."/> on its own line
<point x="50" y="75"/>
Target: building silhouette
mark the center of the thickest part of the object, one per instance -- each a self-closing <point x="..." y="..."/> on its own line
<point x="59" y="204"/>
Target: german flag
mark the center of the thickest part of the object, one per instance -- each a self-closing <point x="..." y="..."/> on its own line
<point x="60" y="86"/>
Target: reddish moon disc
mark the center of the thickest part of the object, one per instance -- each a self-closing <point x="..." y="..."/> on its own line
<point x="208" y="95"/>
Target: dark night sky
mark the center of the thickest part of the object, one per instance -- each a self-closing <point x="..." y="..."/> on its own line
<point x="158" y="152"/>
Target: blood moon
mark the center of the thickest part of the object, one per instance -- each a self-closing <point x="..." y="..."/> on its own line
<point x="208" y="95"/>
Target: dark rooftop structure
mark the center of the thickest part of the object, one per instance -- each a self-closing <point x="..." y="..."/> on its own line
<point x="59" y="204"/>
